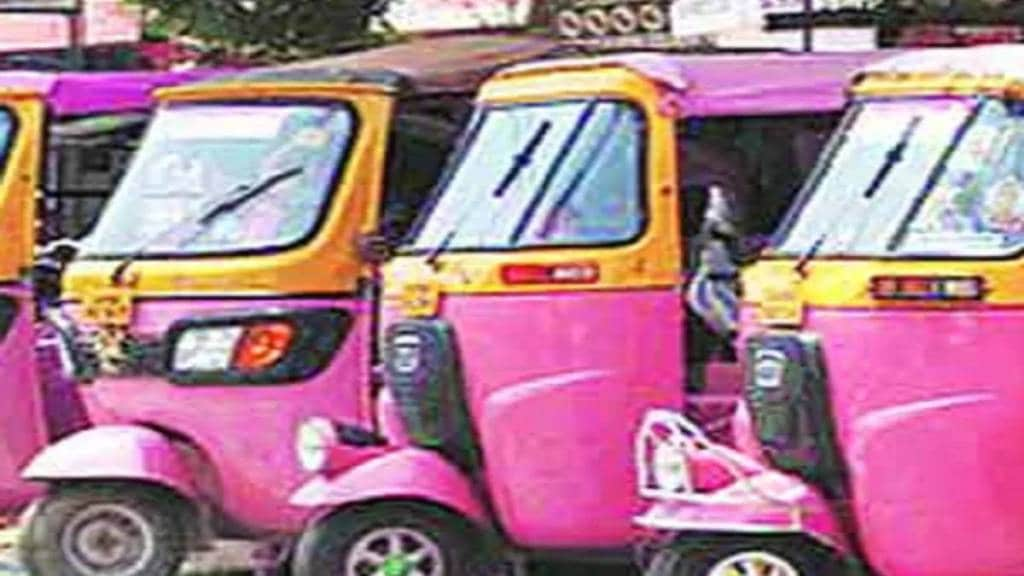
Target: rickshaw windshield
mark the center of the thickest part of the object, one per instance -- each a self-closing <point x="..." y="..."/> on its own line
<point x="195" y="157"/>
<point x="918" y="177"/>
<point x="566" y="173"/>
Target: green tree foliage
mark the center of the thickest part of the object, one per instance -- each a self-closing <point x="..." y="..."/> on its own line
<point x="277" y="29"/>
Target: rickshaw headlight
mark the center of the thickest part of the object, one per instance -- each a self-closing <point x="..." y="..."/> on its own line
<point x="206" y="349"/>
<point x="253" y="348"/>
<point x="313" y="441"/>
<point x="669" y="468"/>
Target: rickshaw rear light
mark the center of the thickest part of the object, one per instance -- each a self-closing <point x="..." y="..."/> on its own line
<point x="263" y="345"/>
<point x="570" y="273"/>
<point x="917" y="288"/>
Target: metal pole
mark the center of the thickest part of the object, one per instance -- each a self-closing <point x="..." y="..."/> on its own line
<point x="76" y="57"/>
<point x="808" y="25"/>
<point x="808" y="29"/>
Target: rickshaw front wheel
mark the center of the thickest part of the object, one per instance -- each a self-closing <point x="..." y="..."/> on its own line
<point x="105" y="530"/>
<point x="390" y="539"/>
<point x="771" y="557"/>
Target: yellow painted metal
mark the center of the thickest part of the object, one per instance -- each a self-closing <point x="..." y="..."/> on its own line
<point x="328" y="263"/>
<point x="19" y="182"/>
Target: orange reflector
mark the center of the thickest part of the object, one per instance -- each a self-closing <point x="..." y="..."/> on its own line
<point x="263" y="345"/>
<point x="575" y="273"/>
<point x="927" y="288"/>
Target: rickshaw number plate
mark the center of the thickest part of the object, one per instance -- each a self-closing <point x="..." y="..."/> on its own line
<point x="108" y="308"/>
<point x="781" y="306"/>
<point x="420" y="299"/>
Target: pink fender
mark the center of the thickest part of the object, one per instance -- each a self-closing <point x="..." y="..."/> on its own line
<point x="404" y="474"/>
<point x="726" y="491"/>
<point x="799" y="510"/>
<point x="114" y="453"/>
<point x="389" y="421"/>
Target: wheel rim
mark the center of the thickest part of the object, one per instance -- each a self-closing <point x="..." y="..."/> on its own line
<point x="395" y="552"/>
<point x="754" y="564"/>
<point x="108" y="540"/>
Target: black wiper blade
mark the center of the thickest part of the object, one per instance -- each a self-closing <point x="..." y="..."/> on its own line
<point x="556" y="166"/>
<point x="247" y="193"/>
<point x="519" y="162"/>
<point x="562" y="200"/>
<point x="892" y="157"/>
<point x="933" y="178"/>
<point x="239" y="197"/>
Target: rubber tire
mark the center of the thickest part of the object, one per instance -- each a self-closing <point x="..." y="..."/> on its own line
<point x="323" y="547"/>
<point x="39" y="544"/>
<point x="698" y="560"/>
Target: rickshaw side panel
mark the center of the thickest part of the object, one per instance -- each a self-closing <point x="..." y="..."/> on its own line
<point x="246" y="431"/>
<point x="403" y="474"/>
<point x="22" y="408"/>
<point x="132" y="453"/>
<point x="553" y="419"/>
<point x="928" y="406"/>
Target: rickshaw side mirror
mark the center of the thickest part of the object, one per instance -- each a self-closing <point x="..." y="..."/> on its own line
<point x="60" y="251"/>
<point x="375" y="248"/>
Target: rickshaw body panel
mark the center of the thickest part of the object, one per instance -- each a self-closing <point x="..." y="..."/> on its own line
<point x="38" y="404"/>
<point x="924" y="398"/>
<point x="105" y="453"/>
<point x="925" y="405"/>
<point x="399" y="474"/>
<point x="552" y="420"/>
<point x="245" y="432"/>
<point x="21" y="411"/>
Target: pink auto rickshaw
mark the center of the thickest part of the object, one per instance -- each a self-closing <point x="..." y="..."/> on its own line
<point x="45" y="120"/>
<point x="537" y="310"/>
<point x="882" y="382"/>
<point x="227" y="295"/>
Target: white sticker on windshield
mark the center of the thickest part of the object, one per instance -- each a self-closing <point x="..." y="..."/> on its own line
<point x="226" y="123"/>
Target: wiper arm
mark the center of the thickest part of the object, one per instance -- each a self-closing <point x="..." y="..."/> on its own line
<point x="247" y="193"/>
<point x="238" y="198"/>
<point x="562" y="200"/>
<point x="519" y="162"/>
<point x="556" y="166"/>
<point x="933" y="178"/>
<point x="893" y="157"/>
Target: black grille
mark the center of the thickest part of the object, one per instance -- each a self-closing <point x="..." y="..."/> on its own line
<point x="425" y="376"/>
<point x="787" y="390"/>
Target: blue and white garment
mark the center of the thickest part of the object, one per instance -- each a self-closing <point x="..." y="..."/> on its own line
<point x="713" y="290"/>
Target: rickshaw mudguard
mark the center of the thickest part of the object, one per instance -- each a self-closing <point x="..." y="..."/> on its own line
<point x="799" y="511"/>
<point x="402" y="474"/>
<point x="128" y="453"/>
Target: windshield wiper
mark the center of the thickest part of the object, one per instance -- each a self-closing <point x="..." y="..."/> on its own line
<point x="204" y="218"/>
<point x="570" y="190"/>
<point x="560" y="158"/>
<point x="933" y="178"/>
<point x="519" y="162"/>
<point x="893" y="157"/>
